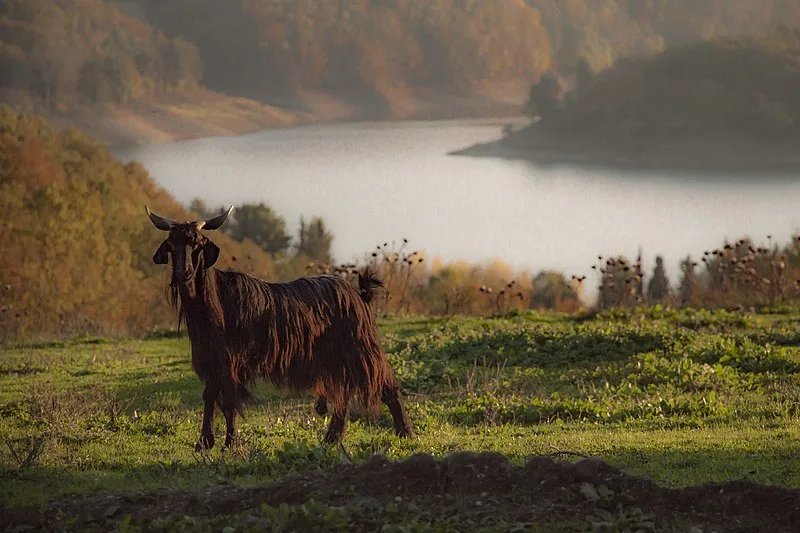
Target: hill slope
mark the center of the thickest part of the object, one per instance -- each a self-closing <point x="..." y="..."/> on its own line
<point x="76" y="242"/>
<point x="728" y="103"/>
<point x="88" y="63"/>
<point x="745" y="86"/>
<point x="175" y="69"/>
<point x="358" y="44"/>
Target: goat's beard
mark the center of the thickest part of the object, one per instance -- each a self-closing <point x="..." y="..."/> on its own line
<point x="187" y="286"/>
<point x="200" y="284"/>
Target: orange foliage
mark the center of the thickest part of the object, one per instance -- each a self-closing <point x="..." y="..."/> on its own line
<point x="76" y="243"/>
<point x="56" y="50"/>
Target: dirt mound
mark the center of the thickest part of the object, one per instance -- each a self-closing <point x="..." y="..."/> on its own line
<point x="477" y="486"/>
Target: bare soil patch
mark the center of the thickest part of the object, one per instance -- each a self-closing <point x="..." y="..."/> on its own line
<point x="478" y="488"/>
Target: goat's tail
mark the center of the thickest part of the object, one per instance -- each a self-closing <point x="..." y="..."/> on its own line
<point x="368" y="282"/>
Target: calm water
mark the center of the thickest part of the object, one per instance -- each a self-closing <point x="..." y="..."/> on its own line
<point x="374" y="182"/>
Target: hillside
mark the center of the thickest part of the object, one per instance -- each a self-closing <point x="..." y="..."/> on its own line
<point x="373" y="52"/>
<point x="75" y="238"/>
<point x="601" y="31"/>
<point x="148" y="70"/>
<point x="741" y="86"/>
<point x="205" y="68"/>
<point x="726" y="102"/>
<point x="363" y="47"/>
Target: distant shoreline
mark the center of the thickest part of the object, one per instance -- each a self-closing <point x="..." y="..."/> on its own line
<point x="714" y="154"/>
<point x="205" y="114"/>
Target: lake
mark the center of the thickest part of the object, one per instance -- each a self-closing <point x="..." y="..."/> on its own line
<point x="381" y="181"/>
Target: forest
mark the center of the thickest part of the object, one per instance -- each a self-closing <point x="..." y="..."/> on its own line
<point x="750" y="91"/>
<point x="55" y="55"/>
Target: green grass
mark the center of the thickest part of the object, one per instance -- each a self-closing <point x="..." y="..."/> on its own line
<point x="682" y="397"/>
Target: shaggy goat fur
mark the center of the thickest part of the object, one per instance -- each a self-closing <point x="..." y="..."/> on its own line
<point x="315" y="333"/>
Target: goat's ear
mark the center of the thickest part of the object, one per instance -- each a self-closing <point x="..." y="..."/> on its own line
<point x="161" y="257"/>
<point x="210" y="254"/>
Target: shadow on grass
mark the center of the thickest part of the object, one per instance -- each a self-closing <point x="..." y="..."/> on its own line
<point x="680" y="468"/>
<point x="723" y="486"/>
<point x="549" y="349"/>
<point x="34" y="485"/>
<point x="188" y="391"/>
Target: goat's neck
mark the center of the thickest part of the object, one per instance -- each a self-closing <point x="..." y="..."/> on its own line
<point x="189" y="292"/>
<point x="199" y="299"/>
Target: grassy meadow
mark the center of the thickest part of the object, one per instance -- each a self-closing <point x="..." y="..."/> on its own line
<point x="680" y="397"/>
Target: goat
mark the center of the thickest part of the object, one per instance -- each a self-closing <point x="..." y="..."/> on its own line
<point x="314" y="333"/>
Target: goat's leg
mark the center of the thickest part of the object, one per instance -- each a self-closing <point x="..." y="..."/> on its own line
<point x="402" y="423"/>
<point x="230" y="430"/>
<point x="210" y="394"/>
<point x="335" y="431"/>
<point x="321" y="407"/>
<point x="229" y="406"/>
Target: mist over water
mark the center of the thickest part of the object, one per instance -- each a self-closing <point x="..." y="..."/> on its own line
<point x="377" y="182"/>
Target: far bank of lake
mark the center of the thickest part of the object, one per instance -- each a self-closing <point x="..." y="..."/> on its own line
<point x="382" y="181"/>
<point x="715" y="156"/>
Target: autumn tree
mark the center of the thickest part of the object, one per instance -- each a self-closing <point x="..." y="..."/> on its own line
<point x="314" y="240"/>
<point x="552" y="290"/>
<point x="77" y="246"/>
<point x="451" y="291"/>
<point x="260" y="224"/>
<point x="200" y="207"/>
<point x="56" y="68"/>
<point x="60" y="53"/>
<point x="182" y="63"/>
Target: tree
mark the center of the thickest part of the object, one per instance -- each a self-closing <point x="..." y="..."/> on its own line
<point x="106" y="80"/>
<point x="689" y="288"/>
<point x="260" y="224"/>
<point x="182" y="63"/>
<point x="315" y="240"/>
<point x="543" y="97"/>
<point x="199" y="206"/>
<point x="658" y="288"/>
<point x="450" y="291"/>
<point x="150" y="63"/>
<point x="583" y="76"/>
<point x="56" y="68"/>
<point x="551" y="290"/>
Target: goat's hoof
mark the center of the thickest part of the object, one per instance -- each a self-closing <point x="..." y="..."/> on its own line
<point x="205" y="443"/>
<point x="230" y="440"/>
<point x="332" y="438"/>
<point x="321" y="407"/>
<point x="406" y="433"/>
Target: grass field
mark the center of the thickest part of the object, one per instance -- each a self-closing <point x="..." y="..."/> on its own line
<point x="89" y="428"/>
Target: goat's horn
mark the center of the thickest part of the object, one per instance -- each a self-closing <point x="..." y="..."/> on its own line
<point x="214" y="222"/>
<point x="159" y="222"/>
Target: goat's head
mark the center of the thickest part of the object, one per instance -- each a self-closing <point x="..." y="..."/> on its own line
<point x="191" y="250"/>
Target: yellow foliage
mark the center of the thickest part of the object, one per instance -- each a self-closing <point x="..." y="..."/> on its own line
<point x="71" y="51"/>
<point x="77" y="245"/>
